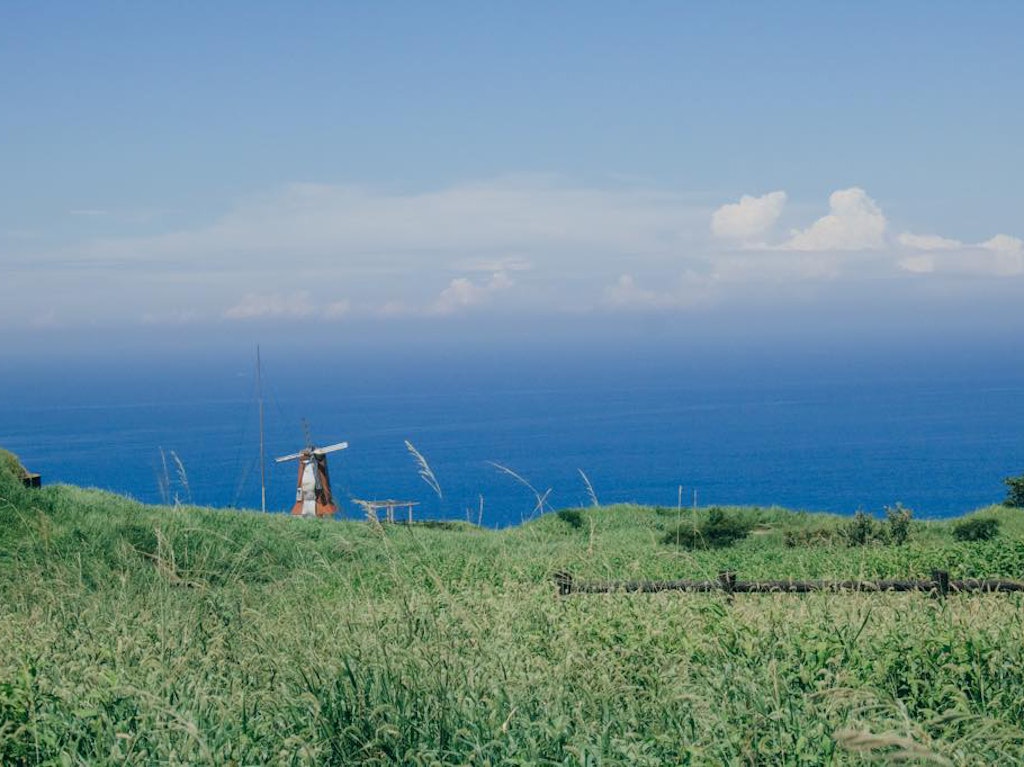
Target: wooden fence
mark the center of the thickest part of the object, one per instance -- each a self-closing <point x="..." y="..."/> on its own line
<point x="939" y="584"/>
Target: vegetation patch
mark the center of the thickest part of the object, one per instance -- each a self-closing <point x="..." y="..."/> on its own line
<point x="895" y="530"/>
<point x="11" y="464"/>
<point x="718" y="530"/>
<point x="976" y="529"/>
<point x="1014" y="492"/>
<point x="176" y="635"/>
<point x="571" y="517"/>
<point x="815" y="536"/>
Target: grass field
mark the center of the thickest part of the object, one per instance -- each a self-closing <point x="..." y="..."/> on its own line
<point x="156" y="635"/>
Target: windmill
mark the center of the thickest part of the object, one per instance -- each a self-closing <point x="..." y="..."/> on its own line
<point x="313" y="497"/>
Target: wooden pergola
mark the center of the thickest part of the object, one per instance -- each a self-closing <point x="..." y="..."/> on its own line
<point x="373" y="508"/>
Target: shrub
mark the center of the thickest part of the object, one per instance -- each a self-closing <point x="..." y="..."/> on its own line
<point x="1015" y="492"/>
<point x="862" y="529"/>
<point x="976" y="529"/>
<point x="717" y="531"/>
<point x="897" y="521"/>
<point x="11" y="464"/>
<point x="823" y="536"/>
<point x="572" y="517"/>
<point x="12" y="476"/>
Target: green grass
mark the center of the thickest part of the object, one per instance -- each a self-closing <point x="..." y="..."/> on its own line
<point x="157" y="635"/>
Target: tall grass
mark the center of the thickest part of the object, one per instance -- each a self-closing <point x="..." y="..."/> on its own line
<point x="590" y="489"/>
<point x="424" y="469"/>
<point x="541" y="498"/>
<point x="130" y="635"/>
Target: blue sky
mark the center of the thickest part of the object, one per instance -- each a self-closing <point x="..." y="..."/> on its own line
<point x="214" y="170"/>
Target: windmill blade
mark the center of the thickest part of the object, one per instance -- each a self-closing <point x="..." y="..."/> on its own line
<point x="291" y="457"/>
<point x="330" y="448"/>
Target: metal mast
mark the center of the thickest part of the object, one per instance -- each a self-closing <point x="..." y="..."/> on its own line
<point x="259" y="397"/>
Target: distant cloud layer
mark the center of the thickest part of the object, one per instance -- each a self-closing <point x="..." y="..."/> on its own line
<point x="1000" y="256"/>
<point x="517" y="243"/>
<point x="253" y="305"/>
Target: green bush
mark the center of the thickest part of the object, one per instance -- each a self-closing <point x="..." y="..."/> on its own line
<point x="976" y="529"/>
<point x="819" y="536"/>
<point x="862" y="529"/>
<point x="11" y="464"/>
<point x="12" y="476"/>
<point x="1015" y="492"/>
<point x="897" y="521"/>
<point x="572" y="517"/>
<point x="717" y="531"/>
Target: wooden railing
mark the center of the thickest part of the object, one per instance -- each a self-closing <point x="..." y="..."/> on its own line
<point x="939" y="584"/>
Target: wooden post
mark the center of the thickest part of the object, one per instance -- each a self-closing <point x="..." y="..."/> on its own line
<point x="941" y="578"/>
<point x="563" y="581"/>
<point x="728" y="580"/>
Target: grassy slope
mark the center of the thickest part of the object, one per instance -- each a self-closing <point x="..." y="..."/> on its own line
<point x="132" y="634"/>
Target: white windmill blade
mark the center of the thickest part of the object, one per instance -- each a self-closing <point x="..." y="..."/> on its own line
<point x="331" y="448"/>
<point x="291" y="457"/>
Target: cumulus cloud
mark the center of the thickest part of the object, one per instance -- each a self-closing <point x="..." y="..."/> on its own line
<point x="750" y="218"/>
<point x="625" y="293"/>
<point x="278" y="255"/>
<point x="854" y="222"/>
<point x="1007" y="252"/>
<point x="999" y="256"/>
<point x="462" y="293"/>
<point x="927" y="242"/>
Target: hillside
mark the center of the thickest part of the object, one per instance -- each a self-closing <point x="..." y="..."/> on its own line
<point x="135" y="634"/>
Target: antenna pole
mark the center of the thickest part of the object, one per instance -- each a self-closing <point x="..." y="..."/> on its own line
<point x="263" y="462"/>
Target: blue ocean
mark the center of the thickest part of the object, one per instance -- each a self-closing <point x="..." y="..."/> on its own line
<point x="937" y="434"/>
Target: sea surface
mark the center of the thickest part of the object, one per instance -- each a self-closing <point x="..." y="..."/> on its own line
<point x="937" y="434"/>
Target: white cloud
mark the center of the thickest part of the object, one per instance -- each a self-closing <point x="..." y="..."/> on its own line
<point x="999" y="256"/>
<point x="576" y="248"/>
<point x="625" y="292"/>
<point x="365" y="231"/>
<point x="919" y="264"/>
<point x="927" y="242"/>
<point x="1004" y="243"/>
<point x="854" y="222"/>
<point x="690" y="291"/>
<point x="256" y="305"/>
<point x="749" y="218"/>
<point x="462" y="293"/>
<point x="1008" y="253"/>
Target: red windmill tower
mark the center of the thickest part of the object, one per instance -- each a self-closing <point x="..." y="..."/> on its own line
<point x="313" y="496"/>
